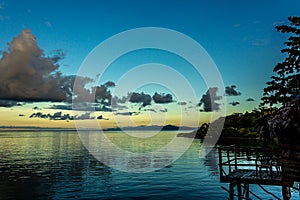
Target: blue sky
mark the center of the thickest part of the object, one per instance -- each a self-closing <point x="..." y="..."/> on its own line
<point x="238" y="35"/>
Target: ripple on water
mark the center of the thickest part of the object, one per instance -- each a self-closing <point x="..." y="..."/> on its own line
<point x="55" y="165"/>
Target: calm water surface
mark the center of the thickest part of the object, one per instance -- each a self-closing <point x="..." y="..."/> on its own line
<point x="55" y="165"/>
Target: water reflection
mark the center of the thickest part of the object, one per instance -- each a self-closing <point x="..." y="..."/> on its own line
<point x="211" y="160"/>
<point x="55" y="165"/>
<point x="52" y="165"/>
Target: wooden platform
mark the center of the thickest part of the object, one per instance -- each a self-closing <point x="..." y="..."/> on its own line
<point x="253" y="177"/>
<point x="244" y="166"/>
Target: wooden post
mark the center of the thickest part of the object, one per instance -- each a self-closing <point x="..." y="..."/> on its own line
<point x="220" y="164"/>
<point x="231" y="191"/>
<point x="239" y="190"/>
<point x="235" y="159"/>
<point x="228" y="159"/>
<point x="246" y="188"/>
<point x="286" y="193"/>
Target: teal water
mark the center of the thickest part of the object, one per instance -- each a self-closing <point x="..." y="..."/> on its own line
<point x="55" y="165"/>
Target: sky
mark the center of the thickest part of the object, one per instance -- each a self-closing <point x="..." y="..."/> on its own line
<point x="239" y="36"/>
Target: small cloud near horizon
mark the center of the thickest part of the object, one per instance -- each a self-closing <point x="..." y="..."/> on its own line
<point x="231" y="91"/>
<point x="127" y="113"/>
<point x="183" y="103"/>
<point x="250" y="99"/>
<point x="61" y="116"/>
<point x="234" y="103"/>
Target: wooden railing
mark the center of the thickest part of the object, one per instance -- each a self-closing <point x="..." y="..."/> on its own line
<point x="265" y="163"/>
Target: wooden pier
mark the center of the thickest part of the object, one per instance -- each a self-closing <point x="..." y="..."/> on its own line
<point x="244" y="166"/>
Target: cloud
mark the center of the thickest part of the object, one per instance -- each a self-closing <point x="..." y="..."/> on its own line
<point x="26" y="74"/>
<point x="98" y="94"/>
<point x="119" y="100"/>
<point x="150" y="109"/>
<point x="140" y="98"/>
<point x="231" y="91"/>
<point x="58" y="55"/>
<point x="164" y="110"/>
<point x="100" y="117"/>
<point x="83" y="106"/>
<point x="9" y="103"/>
<point x="102" y="93"/>
<point x="61" y="107"/>
<point x="208" y="100"/>
<point x="109" y="84"/>
<point x="234" y="103"/>
<point x="127" y="113"/>
<point x="83" y="116"/>
<point x="182" y="103"/>
<point x="39" y="115"/>
<point x="250" y="99"/>
<point x="21" y="115"/>
<point x="61" y="116"/>
<point x="162" y="98"/>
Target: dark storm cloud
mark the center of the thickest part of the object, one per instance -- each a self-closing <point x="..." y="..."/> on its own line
<point x="26" y="74"/>
<point x="209" y="99"/>
<point x="231" y="91"/>
<point x="250" y="99"/>
<point x="234" y="103"/>
<point x="140" y="98"/>
<point x="162" y="98"/>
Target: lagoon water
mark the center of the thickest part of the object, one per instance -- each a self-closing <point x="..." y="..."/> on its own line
<point x="56" y="165"/>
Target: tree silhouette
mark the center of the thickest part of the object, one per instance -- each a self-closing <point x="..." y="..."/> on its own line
<point x="285" y="85"/>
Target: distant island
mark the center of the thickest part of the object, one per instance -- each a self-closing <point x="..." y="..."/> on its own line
<point x="168" y="127"/>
